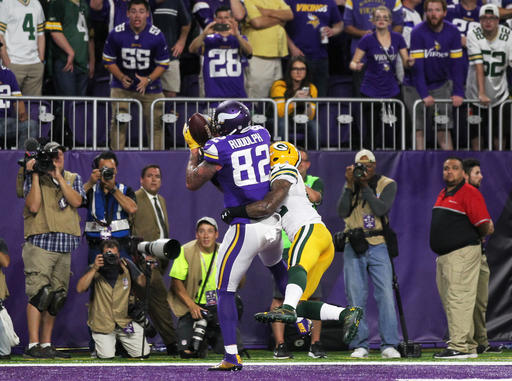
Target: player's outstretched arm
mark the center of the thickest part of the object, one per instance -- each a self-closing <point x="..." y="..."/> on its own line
<point x="262" y="208"/>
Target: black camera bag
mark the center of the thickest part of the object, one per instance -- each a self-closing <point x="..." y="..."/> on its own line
<point x="390" y="238"/>
<point x="358" y="240"/>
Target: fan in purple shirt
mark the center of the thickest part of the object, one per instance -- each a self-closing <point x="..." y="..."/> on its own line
<point x="204" y="10"/>
<point x="381" y="49"/>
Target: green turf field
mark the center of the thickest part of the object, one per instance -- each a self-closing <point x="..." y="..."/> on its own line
<point x="260" y="356"/>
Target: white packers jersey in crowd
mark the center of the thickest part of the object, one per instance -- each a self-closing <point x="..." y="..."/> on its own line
<point x="299" y="210"/>
<point x="21" y="21"/>
<point x="495" y="56"/>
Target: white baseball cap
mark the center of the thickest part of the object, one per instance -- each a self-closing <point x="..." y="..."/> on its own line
<point x="489" y="9"/>
<point x="365" y="152"/>
<point x="208" y="220"/>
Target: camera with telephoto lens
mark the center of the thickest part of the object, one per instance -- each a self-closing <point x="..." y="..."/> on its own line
<point x="359" y="170"/>
<point x="136" y="312"/>
<point x="107" y="173"/>
<point x="199" y="329"/>
<point x="163" y="248"/>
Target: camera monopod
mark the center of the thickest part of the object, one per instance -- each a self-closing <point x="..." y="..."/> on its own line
<point x="406" y="348"/>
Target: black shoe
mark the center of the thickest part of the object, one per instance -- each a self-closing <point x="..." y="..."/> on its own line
<point x="489" y="349"/>
<point x="172" y="349"/>
<point x="453" y="354"/>
<point x="54" y="353"/>
<point x="350" y="317"/>
<point x="36" y="352"/>
<point x="5" y="357"/>
<point x="317" y="351"/>
<point x="282" y="353"/>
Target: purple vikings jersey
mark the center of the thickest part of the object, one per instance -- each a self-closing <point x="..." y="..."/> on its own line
<point x="357" y="13"/>
<point x="222" y="67"/>
<point x="136" y="54"/>
<point x="245" y="173"/>
<point x="8" y="87"/>
<point x="379" y="79"/>
<point x="438" y="58"/>
<point x="309" y="16"/>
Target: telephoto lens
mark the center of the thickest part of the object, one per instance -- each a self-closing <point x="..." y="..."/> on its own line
<point x="199" y="331"/>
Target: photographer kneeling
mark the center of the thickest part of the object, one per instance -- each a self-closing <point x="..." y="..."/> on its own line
<point x="110" y="278"/>
<point x="193" y="296"/>
<point x="366" y="200"/>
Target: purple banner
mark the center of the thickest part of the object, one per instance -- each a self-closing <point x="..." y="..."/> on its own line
<point x="419" y="178"/>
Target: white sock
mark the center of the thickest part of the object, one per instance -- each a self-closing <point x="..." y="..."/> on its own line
<point x="30" y="345"/>
<point x="44" y="345"/>
<point x="330" y="312"/>
<point x="292" y="295"/>
<point x="231" y="349"/>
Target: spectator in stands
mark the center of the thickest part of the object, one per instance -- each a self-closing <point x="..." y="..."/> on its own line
<point x="111" y="278"/>
<point x="436" y="46"/>
<point x="222" y="47"/>
<point x="150" y="223"/>
<point x="52" y="232"/>
<point x="22" y="36"/>
<point x="308" y="35"/>
<point x="115" y="12"/>
<point x="173" y="19"/>
<point x="296" y="84"/>
<point x="10" y="126"/>
<point x="204" y="10"/>
<point x="72" y="46"/>
<point x="8" y="337"/>
<point x="382" y="50"/>
<point x="473" y="176"/>
<point x="490" y="52"/>
<point x="136" y="55"/>
<point x="109" y="206"/>
<point x="357" y="24"/>
<point x="264" y="28"/>
<point x="364" y="204"/>
<point x="460" y="221"/>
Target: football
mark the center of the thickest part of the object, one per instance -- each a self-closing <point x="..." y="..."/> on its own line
<point x="199" y="128"/>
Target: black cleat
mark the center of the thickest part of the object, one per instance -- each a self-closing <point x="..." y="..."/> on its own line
<point x="350" y="318"/>
<point x="277" y="314"/>
<point x="281" y="352"/>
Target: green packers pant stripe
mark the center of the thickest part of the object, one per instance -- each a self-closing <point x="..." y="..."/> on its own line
<point x="298" y="245"/>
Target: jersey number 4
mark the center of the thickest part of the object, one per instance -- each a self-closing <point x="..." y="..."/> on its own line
<point x="245" y="162"/>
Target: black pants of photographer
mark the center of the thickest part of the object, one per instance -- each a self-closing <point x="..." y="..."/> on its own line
<point x="160" y="312"/>
<point x="213" y="337"/>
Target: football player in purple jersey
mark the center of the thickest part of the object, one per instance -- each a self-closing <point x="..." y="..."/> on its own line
<point x="222" y="47"/>
<point x="238" y="160"/>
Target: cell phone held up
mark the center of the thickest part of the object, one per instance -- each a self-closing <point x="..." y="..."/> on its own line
<point x="221" y="27"/>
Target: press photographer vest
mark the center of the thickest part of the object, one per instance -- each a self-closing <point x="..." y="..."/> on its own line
<point x="109" y="306"/>
<point x="362" y="209"/>
<point x="100" y="206"/>
<point x="50" y="217"/>
<point x="194" y="279"/>
<point x="4" y="292"/>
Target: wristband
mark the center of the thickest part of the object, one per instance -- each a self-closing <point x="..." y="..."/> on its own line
<point x="113" y="190"/>
<point x="238" y="211"/>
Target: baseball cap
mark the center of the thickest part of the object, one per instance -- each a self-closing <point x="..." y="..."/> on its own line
<point x="209" y="220"/>
<point x="53" y="146"/>
<point x="489" y="9"/>
<point x="365" y="152"/>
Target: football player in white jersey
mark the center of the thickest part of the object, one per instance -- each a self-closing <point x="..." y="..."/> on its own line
<point x="312" y="249"/>
<point x="489" y="51"/>
<point x="22" y="33"/>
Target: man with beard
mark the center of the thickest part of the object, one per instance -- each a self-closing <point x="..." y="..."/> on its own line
<point x="473" y="175"/>
<point x="460" y="221"/>
<point x="436" y="46"/>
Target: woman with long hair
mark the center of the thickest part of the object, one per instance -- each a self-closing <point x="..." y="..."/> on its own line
<point x="296" y="84"/>
<point x="381" y="49"/>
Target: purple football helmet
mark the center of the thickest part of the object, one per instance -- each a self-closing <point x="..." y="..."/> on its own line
<point x="231" y="117"/>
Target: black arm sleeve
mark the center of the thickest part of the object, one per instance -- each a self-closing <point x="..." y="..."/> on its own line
<point x="343" y="205"/>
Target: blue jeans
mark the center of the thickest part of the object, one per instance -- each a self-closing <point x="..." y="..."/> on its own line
<point x="375" y="261"/>
<point x="8" y="131"/>
<point x="69" y="83"/>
